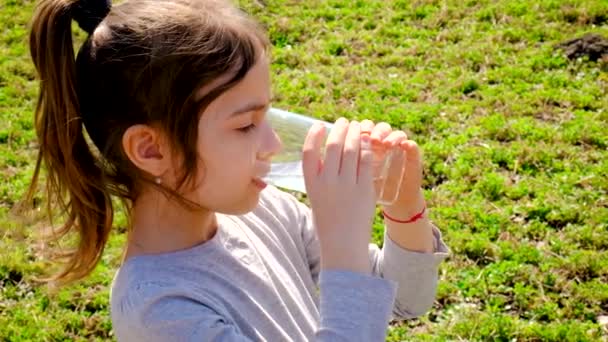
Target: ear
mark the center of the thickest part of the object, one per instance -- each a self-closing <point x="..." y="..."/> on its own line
<point x="147" y="149"/>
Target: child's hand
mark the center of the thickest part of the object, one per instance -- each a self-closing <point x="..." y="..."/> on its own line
<point x="341" y="192"/>
<point x="410" y="199"/>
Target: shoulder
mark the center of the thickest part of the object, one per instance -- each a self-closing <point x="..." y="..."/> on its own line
<point x="141" y="306"/>
<point x="135" y="287"/>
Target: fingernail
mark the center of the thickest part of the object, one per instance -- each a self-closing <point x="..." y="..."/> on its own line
<point x="365" y="142"/>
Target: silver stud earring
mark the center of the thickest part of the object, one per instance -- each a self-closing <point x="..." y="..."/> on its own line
<point x="158" y="181"/>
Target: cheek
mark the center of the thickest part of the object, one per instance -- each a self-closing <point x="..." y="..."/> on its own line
<point x="228" y="163"/>
<point x="227" y="155"/>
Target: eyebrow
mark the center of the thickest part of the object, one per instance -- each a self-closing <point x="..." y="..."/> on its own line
<point x="250" y="107"/>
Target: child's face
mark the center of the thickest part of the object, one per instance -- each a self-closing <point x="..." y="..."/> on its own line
<point x="235" y="145"/>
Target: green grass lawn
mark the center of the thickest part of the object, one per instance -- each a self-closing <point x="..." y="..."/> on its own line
<point x="515" y="138"/>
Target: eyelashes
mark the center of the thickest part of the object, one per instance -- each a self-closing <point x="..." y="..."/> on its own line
<point x="253" y="126"/>
<point x="247" y="129"/>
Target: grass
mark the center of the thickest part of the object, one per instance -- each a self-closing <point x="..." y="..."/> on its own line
<point x="515" y="138"/>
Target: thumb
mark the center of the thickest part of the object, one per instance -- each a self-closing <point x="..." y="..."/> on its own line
<point x="412" y="149"/>
<point x="414" y="155"/>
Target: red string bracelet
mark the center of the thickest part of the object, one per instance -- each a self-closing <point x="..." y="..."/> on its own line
<point x="412" y="219"/>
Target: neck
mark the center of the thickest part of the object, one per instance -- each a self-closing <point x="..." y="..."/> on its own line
<point x="163" y="226"/>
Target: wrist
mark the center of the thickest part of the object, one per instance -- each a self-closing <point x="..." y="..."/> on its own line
<point x="353" y="258"/>
<point x="403" y="211"/>
<point x="407" y="218"/>
<point x="354" y="264"/>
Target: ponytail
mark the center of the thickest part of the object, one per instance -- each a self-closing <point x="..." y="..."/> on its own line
<point x="75" y="187"/>
<point x="143" y="63"/>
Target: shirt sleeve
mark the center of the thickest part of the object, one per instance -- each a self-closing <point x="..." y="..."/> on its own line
<point x="415" y="273"/>
<point x="353" y="307"/>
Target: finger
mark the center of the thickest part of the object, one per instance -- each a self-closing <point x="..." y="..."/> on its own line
<point x="367" y="126"/>
<point x="394" y="174"/>
<point x="366" y="161"/>
<point x="334" y="147"/>
<point x="311" y="153"/>
<point x="380" y="131"/>
<point x="412" y="149"/>
<point x="394" y="139"/>
<point x="350" y="155"/>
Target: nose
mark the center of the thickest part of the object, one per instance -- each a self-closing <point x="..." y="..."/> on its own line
<point x="270" y="143"/>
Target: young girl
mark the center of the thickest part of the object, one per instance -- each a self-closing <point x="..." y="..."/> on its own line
<point x="173" y="95"/>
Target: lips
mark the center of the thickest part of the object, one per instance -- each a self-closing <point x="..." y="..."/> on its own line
<point x="263" y="169"/>
<point x="259" y="183"/>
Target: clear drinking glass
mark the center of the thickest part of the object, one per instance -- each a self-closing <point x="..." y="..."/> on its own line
<point x="286" y="169"/>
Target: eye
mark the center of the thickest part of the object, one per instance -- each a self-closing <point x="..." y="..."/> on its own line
<point x="247" y="129"/>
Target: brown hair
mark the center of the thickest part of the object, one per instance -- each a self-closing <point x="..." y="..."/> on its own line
<point x="141" y="64"/>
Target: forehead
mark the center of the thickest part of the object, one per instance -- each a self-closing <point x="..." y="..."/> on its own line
<point x="254" y="88"/>
<point x="262" y="62"/>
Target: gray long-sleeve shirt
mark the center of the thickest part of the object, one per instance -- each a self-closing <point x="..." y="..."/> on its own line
<point x="259" y="278"/>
